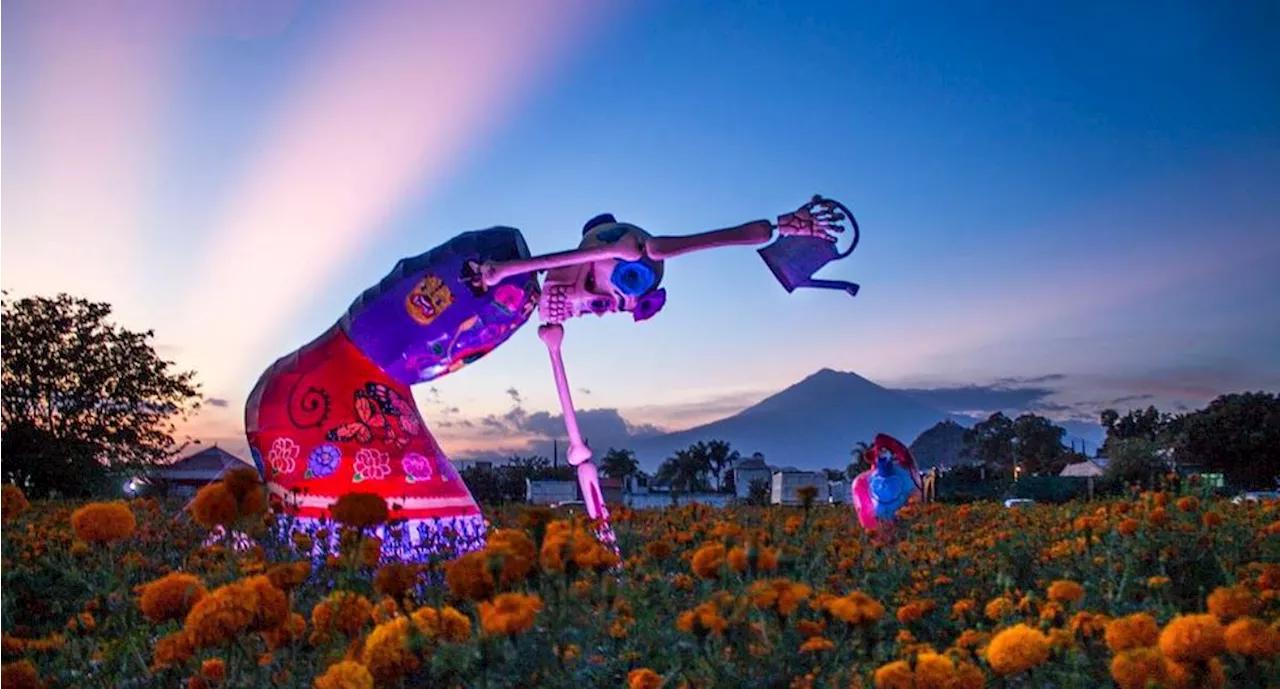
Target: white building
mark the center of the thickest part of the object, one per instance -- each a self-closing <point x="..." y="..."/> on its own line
<point x="841" y="491"/>
<point x="786" y="485"/>
<point x="749" y="470"/>
<point x="550" y="492"/>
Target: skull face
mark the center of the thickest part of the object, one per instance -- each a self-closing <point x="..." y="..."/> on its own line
<point x="600" y="287"/>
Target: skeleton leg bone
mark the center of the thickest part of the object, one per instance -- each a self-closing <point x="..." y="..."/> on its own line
<point x="552" y="335"/>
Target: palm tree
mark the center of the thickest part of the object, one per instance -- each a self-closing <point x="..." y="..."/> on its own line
<point x="720" y="457"/>
<point x="619" y="464"/>
<point x="685" y="471"/>
<point x="859" y="452"/>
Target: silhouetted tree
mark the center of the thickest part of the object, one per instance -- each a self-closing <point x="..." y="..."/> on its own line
<point x="686" y="471"/>
<point x="759" y="492"/>
<point x="1134" y="460"/>
<point x="1149" y="424"/>
<point x="1037" y="446"/>
<point x="991" y="441"/>
<point x="619" y="463"/>
<point x="84" y="398"/>
<point x="1237" y="434"/>
<point x="720" y="457"/>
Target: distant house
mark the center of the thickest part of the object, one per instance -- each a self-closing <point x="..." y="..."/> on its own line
<point x="185" y="476"/>
<point x="749" y="470"/>
<point x="787" y="484"/>
<point x="461" y="464"/>
<point x="841" y="491"/>
<point x="550" y="492"/>
<point x="1090" y="468"/>
<point x="611" y="490"/>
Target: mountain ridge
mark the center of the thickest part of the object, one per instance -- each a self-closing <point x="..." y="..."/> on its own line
<point x="813" y="423"/>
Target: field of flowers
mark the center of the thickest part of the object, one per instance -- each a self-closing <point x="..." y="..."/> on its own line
<point x="1165" y="588"/>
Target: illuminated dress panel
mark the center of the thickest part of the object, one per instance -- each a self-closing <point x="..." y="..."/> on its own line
<point x="337" y="415"/>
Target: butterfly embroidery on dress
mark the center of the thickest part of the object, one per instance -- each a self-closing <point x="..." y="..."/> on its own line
<point x="381" y="413"/>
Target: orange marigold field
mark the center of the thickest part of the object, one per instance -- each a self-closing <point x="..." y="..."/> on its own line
<point x="1160" y="590"/>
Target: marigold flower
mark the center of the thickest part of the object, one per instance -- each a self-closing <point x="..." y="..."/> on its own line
<point x="171" y="596"/>
<point x="1191" y="638"/>
<point x="289" y="576"/>
<point x="894" y="675"/>
<point x="251" y="604"/>
<point x="740" y="559"/>
<point x="856" y="608"/>
<point x="214" y="669"/>
<point x="347" y="674"/>
<point x="21" y="674"/>
<point x="515" y="555"/>
<point x="386" y="652"/>
<point x="1230" y="602"/>
<point x="817" y="644"/>
<point x="998" y="608"/>
<point x="445" y="623"/>
<point x="104" y="522"/>
<point x="395" y="579"/>
<point x="173" y="649"/>
<point x="657" y="550"/>
<point x="1207" y="675"/>
<point x="708" y="560"/>
<point x="644" y="678"/>
<point x="359" y="510"/>
<point x="1135" y="668"/>
<point x="702" y="620"/>
<point x="13" y="502"/>
<point x="1187" y="503"/>
<point x="780" y="595"/>
<point x="914" y="611"/>
<point x="468" y="576"/>
<point x="343" y="611"/>
<point x="1252" y="637"/>
<point x="1128" y="526"/>
<point x="509" y="613"/>
<point x="934" y="671"/>
<point x="215" y="506"/>
<point x="1017" y="649"/>
<point x="1065" y="591"/>
<point x="292" y="630"/>
<point x="1132" y="631"/>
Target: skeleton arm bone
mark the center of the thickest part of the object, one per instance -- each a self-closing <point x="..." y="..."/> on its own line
<point x="661" y="248"/>
<point x="626" y="249"/>
<point x="552" y="335"/>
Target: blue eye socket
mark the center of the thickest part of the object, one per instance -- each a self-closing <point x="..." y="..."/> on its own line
<point x="632" y="278"/>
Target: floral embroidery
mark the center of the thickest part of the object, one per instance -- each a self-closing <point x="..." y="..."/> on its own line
<point x="323" y="461"/>
<point x="417" y="467"/>
<point x="282" y="455"/>
<point x="372" y="465"/>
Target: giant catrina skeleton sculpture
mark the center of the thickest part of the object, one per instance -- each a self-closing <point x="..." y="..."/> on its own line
<point x="882" y="490"/>
<point x="336" y="416"/>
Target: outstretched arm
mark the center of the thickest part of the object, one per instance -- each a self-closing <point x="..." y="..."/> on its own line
<point x="627" y="249"/>
<point x="662" y="248"/>
<point x="818" y="218"/>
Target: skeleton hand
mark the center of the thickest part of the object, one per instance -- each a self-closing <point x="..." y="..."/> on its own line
<point x="818" y="218"/>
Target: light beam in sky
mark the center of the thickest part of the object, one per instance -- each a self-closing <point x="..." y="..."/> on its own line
<point x="386" y="103"/>
<point x="90" y="100"/>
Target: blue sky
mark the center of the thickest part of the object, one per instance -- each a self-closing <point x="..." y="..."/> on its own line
<point x="1087" y="191"/>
